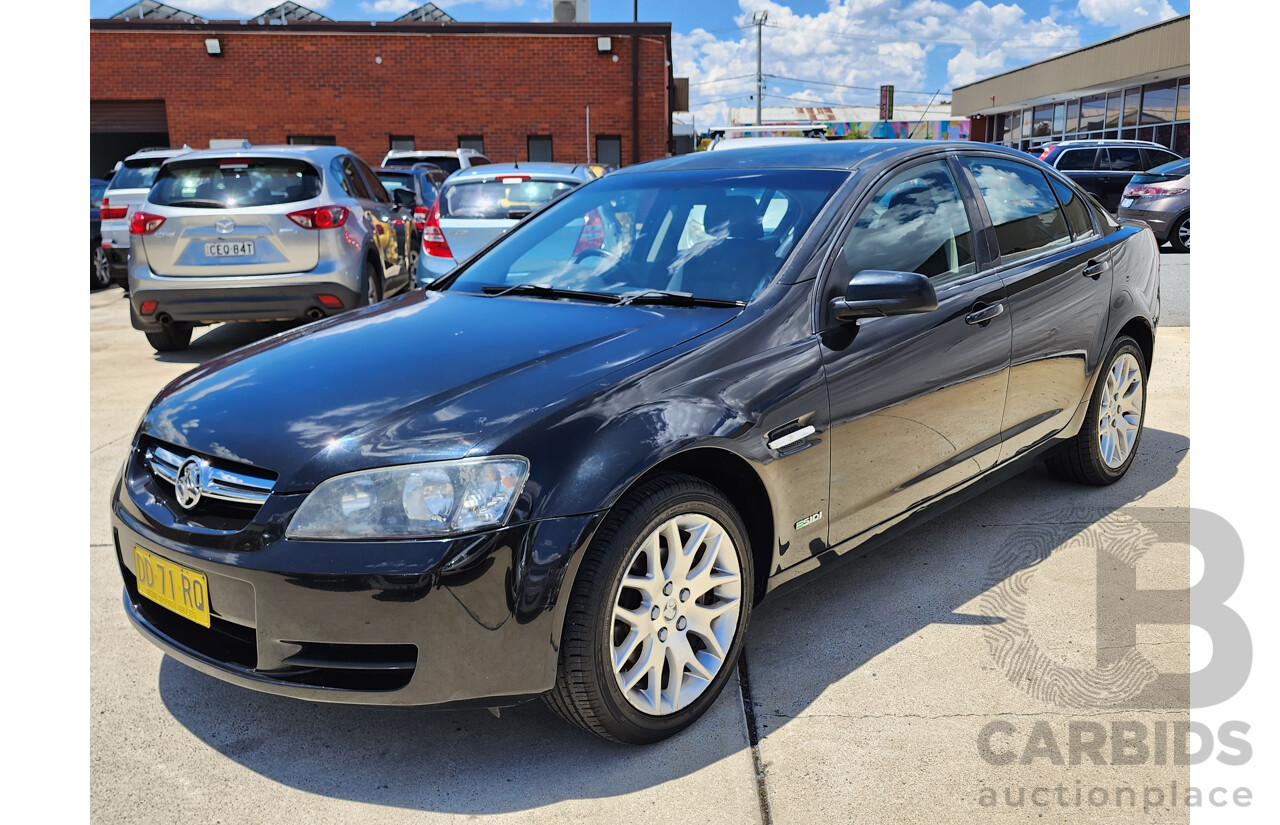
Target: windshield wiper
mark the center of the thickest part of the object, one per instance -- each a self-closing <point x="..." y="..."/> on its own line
<point x="675" y="299"/>
<point x="544" y="291"/>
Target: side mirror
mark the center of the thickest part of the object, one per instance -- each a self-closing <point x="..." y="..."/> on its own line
<point x="873" y="293"/>
<point x="403" y="197"/>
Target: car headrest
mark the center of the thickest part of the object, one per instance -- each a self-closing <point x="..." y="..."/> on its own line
<point x="736" y="215"/>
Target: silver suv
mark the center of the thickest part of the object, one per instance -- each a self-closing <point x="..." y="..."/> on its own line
<point x="128" y="188"/>
<point x="261" y="234"/>
<point x="450" y="160"/>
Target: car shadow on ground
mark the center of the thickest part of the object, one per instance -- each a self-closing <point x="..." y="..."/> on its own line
<point x="209" y="343"/>
<point x="430" y="760"/>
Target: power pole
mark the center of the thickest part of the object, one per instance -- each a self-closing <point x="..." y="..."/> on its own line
<point x="758" y="21"/>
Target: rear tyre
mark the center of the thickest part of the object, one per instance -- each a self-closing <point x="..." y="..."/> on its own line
<point x="656" y="619"/>
<point x="1180" y="234"/>
<point x="174" y="337"/>
<point x="99" y="268"/>
<point x="1108" y="440"/>
<point x="372" y="284"/>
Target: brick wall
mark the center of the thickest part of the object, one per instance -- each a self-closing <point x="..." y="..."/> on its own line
<point x="273" y="82"/>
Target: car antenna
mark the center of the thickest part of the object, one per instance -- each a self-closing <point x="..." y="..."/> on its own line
<point x="516" y="163"/>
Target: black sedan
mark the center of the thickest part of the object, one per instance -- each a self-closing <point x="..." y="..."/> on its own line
<point x="650" y="405"/>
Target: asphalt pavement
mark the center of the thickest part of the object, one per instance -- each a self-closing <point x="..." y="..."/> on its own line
<point x="929" y="682"/>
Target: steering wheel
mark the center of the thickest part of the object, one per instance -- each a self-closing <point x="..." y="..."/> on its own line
<point x="626" y="267"/>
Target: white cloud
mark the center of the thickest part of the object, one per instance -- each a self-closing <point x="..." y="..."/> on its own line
<point x="860" y="43"/>
<point x="389" y="6"/>
<point x="1126" y="14"/>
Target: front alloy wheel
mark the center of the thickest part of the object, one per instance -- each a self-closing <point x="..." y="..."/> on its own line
<point x="655" y="622"/>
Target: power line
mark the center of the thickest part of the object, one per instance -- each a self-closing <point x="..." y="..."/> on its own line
<point x="892" y="39"/>
<point x="845" y="86"/>
<point x="721" y="80"/>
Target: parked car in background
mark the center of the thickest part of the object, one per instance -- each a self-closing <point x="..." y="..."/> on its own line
<point x="619" y="448"/>
<point x="1103" y="167"/>
<point x="478" y="205"/>
<point x="1161" y="197"/>
<point x="261" y="234"/>
<point x="128" y="187"/>
<point x="450" y="160"/>
<point x="416" y="188"/>
<point x="99" y="266"/>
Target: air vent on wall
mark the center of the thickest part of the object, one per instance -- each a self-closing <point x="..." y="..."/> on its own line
<point x="571" y="11"/>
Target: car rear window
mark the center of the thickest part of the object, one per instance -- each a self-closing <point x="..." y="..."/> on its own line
<point x="447" y="163"/>
<point x="136" y="174"/>
<point x="502" y="198"/>
<point x="232" y="183"/>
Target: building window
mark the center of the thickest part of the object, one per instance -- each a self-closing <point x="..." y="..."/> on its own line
<point x="1073" y="117"/>
<point x="1184" y="99"/>
<point x="540" y="148"/>
<point x="313" y="140"/>
<point x="1113" y="112"/>
<point x="1131" y="103"/>
<point x="609" y="150"/>
<point x="1093" y="111"/>
<point x="402" y="142"/>
<point x="471" y="142"/>
<point x="1042" y="122"/>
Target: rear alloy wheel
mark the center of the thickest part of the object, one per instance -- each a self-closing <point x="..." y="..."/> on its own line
<point x="1180" y="235"/>
<point x="372" y="284"/>
<point x="99" y="268"/>
<point x="1108" y="440"/>
<point x="174" y="337"/>
<point x="657" y="614"/>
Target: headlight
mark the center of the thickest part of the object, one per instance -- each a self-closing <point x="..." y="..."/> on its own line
<point x="440" y="498"/>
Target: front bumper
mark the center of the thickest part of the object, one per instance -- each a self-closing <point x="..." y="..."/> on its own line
<point x="468" y="621"/>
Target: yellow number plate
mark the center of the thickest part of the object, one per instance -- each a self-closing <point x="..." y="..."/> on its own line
<point x="185" y="592"/>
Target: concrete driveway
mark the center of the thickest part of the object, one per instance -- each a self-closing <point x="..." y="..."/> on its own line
<point x="913" y="685"/>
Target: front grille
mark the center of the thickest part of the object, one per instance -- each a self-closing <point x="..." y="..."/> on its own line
<point x="215" y="483"/>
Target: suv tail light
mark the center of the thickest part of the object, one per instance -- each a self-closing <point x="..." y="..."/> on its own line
<point x="592" y="234"/>
<point x="107" y="212"/>
<point x="433" y="242"/>
<point x="420" y="217"/>
<point x="144" y="223"/>
<point x="1044" y="151"/>
<point x="1140" y="191"/>
<point x="320" y="217"/>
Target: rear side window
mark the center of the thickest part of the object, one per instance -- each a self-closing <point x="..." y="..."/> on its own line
<point x="136" y="174"/>
<point x="1157" y="157"/>
<point x="508" y="197"/>
<point x="232" y="183"/>
<point x="1124" y="159"/>
<point x="1075" y="160"/>
<point x="1023" y="208"/>
<point x="915" y="222"/>
<point x="1075" y="209"/>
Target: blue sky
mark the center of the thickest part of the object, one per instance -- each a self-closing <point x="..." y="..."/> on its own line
<point x="817" y="51"/>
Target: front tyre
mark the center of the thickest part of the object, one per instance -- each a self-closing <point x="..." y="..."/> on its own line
<point x="1108" y="440"/>
<point x="657" y="615"/>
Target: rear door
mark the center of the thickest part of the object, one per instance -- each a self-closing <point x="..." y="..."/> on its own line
<point x="229" y="216"/>
<point x="1119" y="165"/>
<point x="1056" y="268"/>
<point x="916" y="400"/>
<point x="1081" y="165"/>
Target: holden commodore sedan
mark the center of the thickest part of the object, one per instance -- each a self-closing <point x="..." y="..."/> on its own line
<point x="668" y="394"/>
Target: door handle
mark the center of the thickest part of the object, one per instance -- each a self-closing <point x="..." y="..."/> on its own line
<point x="1094" y="269"/>
<point x="982" y="317"/>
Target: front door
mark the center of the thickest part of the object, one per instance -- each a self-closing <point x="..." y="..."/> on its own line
<point x="916" y="400"/>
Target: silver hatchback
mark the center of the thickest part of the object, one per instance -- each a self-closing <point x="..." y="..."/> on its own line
<point x="262" y="234"/>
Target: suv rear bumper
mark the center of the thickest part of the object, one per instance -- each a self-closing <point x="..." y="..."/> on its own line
<point x="198" y="305"/>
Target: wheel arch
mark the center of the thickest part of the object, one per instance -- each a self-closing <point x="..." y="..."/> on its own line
<point x="1139" y="329"/>
<point x="734" y="476"/>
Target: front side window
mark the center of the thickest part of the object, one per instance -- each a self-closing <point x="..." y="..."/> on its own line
<point x="1023" y="209"/>
<point x="230" y="183"/>
<point x="713" y="234"/>
<point x="915" y="222"/>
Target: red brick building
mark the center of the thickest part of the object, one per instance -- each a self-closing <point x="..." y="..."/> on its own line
<point x="369" y="87"/>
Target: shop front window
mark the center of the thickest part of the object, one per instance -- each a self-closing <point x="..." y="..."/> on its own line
<point x="1092" y="112"/>
<point x="1158" y="102"/>
<point x="1184" y="99"/>
<point x="1113" y="111"/>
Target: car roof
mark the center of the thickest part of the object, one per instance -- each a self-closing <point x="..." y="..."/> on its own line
<point x="1067" y="144"/>
<point x="747" y="142"/>
<point x="439" y="153"/>
<point x="157" y="152"/>
<point x="813" y="154"/>
<point x="315" y="154"/>
<point x="579" y="173"/>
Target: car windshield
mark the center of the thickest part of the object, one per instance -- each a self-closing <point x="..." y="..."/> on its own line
<point x="712" y="234"/>
<point x="230" y="183"/>
<point x="136" y="174"/>
<point x="509" y="196"/>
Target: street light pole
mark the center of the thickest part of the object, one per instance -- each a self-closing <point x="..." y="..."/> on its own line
<point x="758" y="21"/>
